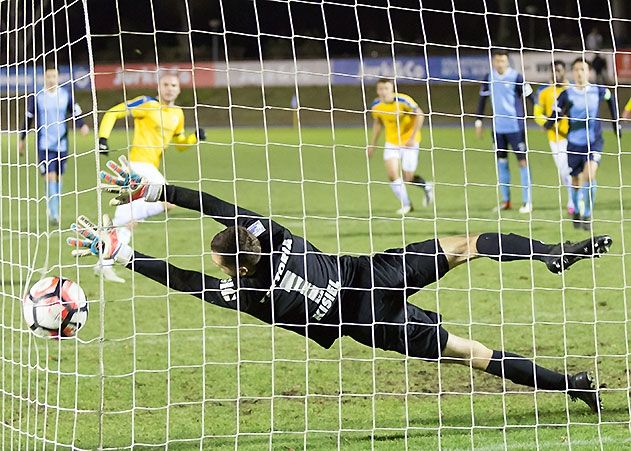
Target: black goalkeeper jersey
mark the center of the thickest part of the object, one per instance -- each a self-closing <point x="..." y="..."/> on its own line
<point x="295" y="286"/>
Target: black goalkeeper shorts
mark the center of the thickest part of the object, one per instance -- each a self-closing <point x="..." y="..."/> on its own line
<point x="376" y="312"/>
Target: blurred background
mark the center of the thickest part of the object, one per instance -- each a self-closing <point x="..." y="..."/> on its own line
<point x="268" y="58"/>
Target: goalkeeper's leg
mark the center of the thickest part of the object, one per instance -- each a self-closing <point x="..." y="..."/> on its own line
<point x="519" y="370"/>
<point x="511" y="247"/>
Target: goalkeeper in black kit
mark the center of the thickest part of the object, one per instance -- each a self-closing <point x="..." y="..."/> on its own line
<point x="284" y="280"/>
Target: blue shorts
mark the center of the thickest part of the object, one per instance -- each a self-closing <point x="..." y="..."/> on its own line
<point x="578" y="155"/>
<point x="51" y="161"/>
<point x="516" y="140"/>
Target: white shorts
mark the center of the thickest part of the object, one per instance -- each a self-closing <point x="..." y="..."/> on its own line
<point x="148" y="171"/>
<point x="407" y="155"/>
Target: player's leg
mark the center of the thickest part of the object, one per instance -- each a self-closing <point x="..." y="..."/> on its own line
<point x="588" y="187"/>
<point x="392" y="162"/>
<point x="577" y="160"/>
<point x="51" y="165"/>
<point x="409" y="163"/>
<point x="510" y="247"/>
<point x="518" y="144"/>
<point x="503" y="171"/>
<point x="519" y="370"/>
<point x="559" y="155"/>
<point x="139" y="210"/>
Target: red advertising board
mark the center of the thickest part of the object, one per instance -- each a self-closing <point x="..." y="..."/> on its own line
<point x="623" y="65"/>
<point x="113" y="76"/>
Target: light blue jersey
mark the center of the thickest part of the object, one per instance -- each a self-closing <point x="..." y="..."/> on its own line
<point x="506" y="91"/>
<point x="50" y="111"/>
<point x="582" y="106"/>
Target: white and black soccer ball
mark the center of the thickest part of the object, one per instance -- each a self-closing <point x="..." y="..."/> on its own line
<point x="55" y="308"/>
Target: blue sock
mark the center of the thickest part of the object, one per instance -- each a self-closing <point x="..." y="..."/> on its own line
<point x="524" y="172"/>
<point x="504" y="178"/>
<point x="575" y="195"/>
<point x="53" y="199"/>
<point x="589" y="196"/>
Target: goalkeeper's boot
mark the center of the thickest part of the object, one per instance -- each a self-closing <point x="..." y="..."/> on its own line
<point x="581" y="386"/>
<point x="564" y="255"/>
<point x="107" y="272"/>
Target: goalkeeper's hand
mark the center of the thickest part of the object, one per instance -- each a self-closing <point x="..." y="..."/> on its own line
<point x="99" y="241"/>
<point x="127" y="185"/>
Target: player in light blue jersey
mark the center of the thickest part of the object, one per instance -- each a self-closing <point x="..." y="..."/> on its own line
<point x="50" y="112"/>
<point x="580" y="103"/>
<point x="507" y="90"/>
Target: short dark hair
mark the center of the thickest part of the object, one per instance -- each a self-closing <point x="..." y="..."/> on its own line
<point x="499" y="52"/>
<point x="556" y="63"/>
<point x="581" y="60"/>
<point x="385" y="80"/>
<point x="237" y="246"/>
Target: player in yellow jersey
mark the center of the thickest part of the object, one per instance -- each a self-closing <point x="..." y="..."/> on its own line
<point x="626" y="114"/>
<point x="158" y="122"/>
<point x="557" y="136"/>
<point x="402" y="120"/>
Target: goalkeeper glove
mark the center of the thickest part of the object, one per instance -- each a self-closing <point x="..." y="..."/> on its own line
<point x="201" y="134"/>
<point x="127" y="185"/>
<point x="103" y="147"/>
<point x="99" y="241"/>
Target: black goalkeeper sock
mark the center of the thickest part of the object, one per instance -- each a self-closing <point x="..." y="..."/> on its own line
<point x="419" y="181"/>
<point x="524" y="372"/>
<point x="512" y="247"/>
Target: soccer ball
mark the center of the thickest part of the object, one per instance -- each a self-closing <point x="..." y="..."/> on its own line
<point x="55" y="308"/>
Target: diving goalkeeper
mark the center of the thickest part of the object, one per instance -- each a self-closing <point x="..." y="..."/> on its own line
<point x="282" y="279"/>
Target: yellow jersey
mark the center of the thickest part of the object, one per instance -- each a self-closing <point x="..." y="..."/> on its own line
<point x="156" y="125"/>
<point x="627" y="107"/>
<point x="397" y="118"/>
<point x="543" y="110"/>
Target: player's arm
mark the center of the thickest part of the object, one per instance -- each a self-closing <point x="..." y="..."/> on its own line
<point x="74" y="112"/>
<point x="117" y="112"/>
<point x="539" y="110"/>
<point x="524" y="90"/>
<point x="104" y="241"/>
<point x="412" y="107"/>
<point x="182" y="141"/>
<point x="377" y="128"/>
<point x="29" y="121"/>
<point x="610" y="98"/>
<point x="485" y="93"/>
<point x="129" y="186"/>
<point x="559" y="110"/>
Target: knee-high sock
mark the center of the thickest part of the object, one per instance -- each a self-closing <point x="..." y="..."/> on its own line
<point x="525" y="372"/>
<point x="503" y="173"/>
<point x="53" y="198"/>
<point x="589" y="196"/>
<point x="399" y="190"/>
<point x="524" y="173"/>
<point x="511" y="247"/>
<point x="575" y="198"/>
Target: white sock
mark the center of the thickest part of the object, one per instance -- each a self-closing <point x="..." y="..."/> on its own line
<point x="399" y="190"/>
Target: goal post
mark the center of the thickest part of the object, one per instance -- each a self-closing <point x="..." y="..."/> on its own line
<point x="285" y="92"/>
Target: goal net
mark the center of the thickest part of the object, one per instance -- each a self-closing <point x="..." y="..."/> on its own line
<point x="285" y="92"/>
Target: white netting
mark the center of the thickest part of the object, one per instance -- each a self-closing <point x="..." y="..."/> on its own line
<point x="284" y="91"/>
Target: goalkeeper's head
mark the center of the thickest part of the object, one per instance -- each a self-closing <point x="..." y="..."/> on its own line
<point x="236" y="251"/>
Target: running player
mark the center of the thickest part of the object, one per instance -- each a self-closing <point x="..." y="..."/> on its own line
<point x="557" y="136"/>
<point x="158" y="122"/>
<point x="49" y="112"/>
<point x="402" y="119"/>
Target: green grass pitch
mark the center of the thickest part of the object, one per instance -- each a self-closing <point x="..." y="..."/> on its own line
<point x="156" y="367"/>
